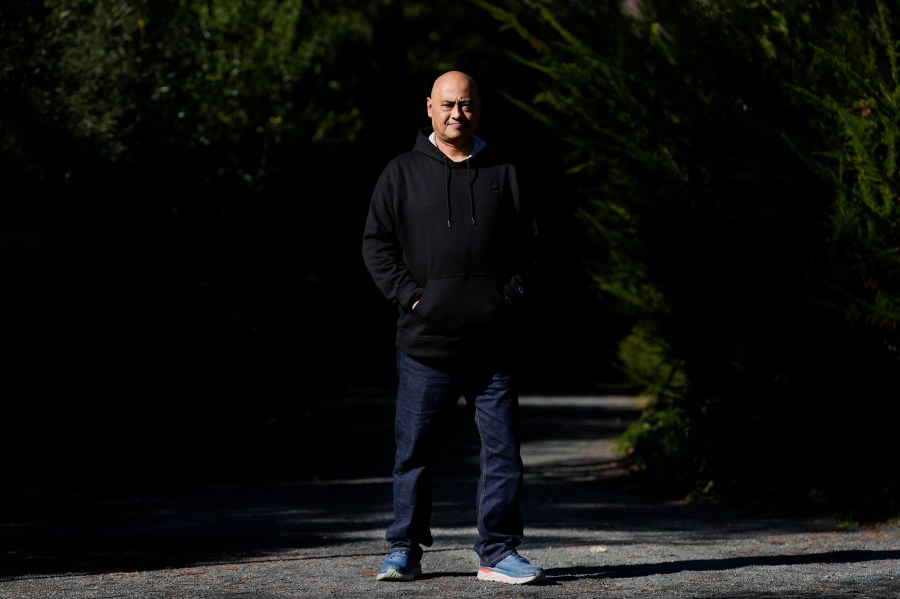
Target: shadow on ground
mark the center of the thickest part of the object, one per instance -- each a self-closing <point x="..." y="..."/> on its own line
<point x="239" y="498"/>
<point x="255" y="498"/>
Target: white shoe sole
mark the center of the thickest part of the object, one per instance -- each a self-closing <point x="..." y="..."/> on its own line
<point x="494" y="576"/>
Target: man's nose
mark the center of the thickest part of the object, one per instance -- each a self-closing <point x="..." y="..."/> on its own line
<point x="456" y="112"/>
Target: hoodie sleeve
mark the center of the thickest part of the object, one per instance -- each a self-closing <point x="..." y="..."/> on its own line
<point x="381" y="249"/>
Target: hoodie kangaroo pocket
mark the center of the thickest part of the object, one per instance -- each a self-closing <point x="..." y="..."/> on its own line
<point x="454" y="304"/>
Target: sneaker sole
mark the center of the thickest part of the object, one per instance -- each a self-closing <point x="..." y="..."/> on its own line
<point x="495" y="576"/>
<point x="392" y="575"/>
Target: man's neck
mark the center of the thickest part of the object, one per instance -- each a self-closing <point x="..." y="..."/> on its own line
<point x="454" y="153"/>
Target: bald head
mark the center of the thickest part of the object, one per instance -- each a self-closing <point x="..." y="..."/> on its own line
<point x="454" y="107"/>
<point x="455" y="79"/>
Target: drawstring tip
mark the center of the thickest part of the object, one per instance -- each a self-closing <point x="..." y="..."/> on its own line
<point x="473" y="220"/>
<point x="448" y="224"/>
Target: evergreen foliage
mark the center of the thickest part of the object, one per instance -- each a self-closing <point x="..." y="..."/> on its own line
<point x="737" y="163"/>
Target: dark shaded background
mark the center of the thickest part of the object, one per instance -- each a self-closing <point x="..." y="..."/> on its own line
<point x="151" y="317"/>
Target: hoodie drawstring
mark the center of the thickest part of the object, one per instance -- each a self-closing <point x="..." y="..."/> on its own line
<point x="447" y="188"/>
<point x="447" y="174"/>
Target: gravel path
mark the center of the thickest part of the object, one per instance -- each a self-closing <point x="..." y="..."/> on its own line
<point x="309" y="522"/>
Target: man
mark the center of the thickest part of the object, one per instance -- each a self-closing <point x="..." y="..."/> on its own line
<point x="449" y="242"/>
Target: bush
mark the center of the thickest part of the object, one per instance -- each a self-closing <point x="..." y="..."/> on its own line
<point x="737" y="169"/>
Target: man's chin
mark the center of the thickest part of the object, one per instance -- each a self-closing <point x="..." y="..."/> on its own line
<point x="457" y="135"/>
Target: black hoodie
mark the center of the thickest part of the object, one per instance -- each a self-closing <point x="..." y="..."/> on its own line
<point x="456" y="237"/>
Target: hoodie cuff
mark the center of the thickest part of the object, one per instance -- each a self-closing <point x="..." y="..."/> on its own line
<point x="409" y="296"/>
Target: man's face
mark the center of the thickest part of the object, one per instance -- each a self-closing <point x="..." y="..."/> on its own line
<point x="454" y="108"/>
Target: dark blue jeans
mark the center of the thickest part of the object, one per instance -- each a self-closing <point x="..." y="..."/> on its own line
<point x="426" y="397"/>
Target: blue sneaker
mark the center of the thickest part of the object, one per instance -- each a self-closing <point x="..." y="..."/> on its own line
<point x="400" y="565"/>
<point x="512" y="569"/>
